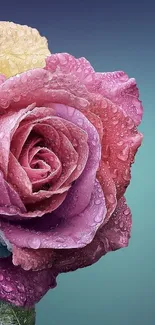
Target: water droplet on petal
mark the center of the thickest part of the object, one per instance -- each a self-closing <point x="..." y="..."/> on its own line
<point x="115" y="173"/>
<point x="115" y="121"/>
<point x="106" y="151"/>
<point x="114" y="109"/>
<point x="123" y="154"/>
<point x="104" y="103"/>
<point x="80" y="122"/>
<point x="21" y="287"/>
<point x="7" y="288"/>
<point x="1" y="135"/>
<point x="98" y="217"/>
<point x="126" y="175"/>
<point x="97" y="202"/>
<point x="94" y="143"/>
<point x="1" y="277"/>
<point x="130" y="123"/>
<point x="34" y="243"/>
<point x="120" y="143"/>
<point x="121" y="224"/>
<point x="127" y="212"/>
<point x="111" y="198"/>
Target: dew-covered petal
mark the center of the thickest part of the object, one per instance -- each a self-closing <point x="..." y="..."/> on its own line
<point x="19" y="138"/>
<point x="116" y="86"/>
<point x="112" y="236"/>
<point x="10" y="202"/>
<point x="22" y="48"/>
<point x="80" y="193"/>
<point x="42" y="166"/>
<point x="78" y="137"/>
<point x="32" y="259"/>
<point x="108" y="187"/>
<point x="120" y="142"/>
<point x="8" y="124"/>
<point x="24" y="288"/>
<point x="41" y="87"/>
<point x="53" y="232"/>
<point x="66" y="154"/>
<point x="121" y="90"/>
<point x="23" y="186"/>
<point x="18" y="177"/>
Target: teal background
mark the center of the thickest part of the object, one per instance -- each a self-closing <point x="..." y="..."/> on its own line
<point x="113" y="35"/>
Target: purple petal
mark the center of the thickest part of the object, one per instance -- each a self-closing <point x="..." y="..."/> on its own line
<point x="53" y="232"/>
<point x="114" y="235"/>
<point x="80" y="193"/>
<point x="23" y="288"/>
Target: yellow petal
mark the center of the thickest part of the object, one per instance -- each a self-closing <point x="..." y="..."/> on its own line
<point x="21" y="48"/>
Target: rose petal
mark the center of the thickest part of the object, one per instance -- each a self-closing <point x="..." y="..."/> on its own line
<point x="120" y="142"/>
<point x="82" y="189"/>
<point x="108" y="187"/>
<point x="19" y="138"/>
<point x="112" y="236"/>
<point x="18" y="177"/>
<point x="52" y="232"/>
<point x="41" y="87"/>
<point x="122" y="90"/>
<point x="32" y="259"/>
<point x="115" y="86"/>
<point x="23" y="186"/>
<point x="8" y="124"/>
<point x="78" y="138"/>
<point x="66" y="154"/>
<point x="48" y="169"/>
<point x="10" y="201"/>
<point x="24" y="288"/>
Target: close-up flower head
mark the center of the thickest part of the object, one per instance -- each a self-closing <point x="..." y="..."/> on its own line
<point x="68" y="139"/>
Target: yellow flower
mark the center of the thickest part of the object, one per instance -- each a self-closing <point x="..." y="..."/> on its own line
<point x="21" y="48"/>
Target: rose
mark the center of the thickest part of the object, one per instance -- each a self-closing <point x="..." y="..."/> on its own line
<point x="68" y="139"/>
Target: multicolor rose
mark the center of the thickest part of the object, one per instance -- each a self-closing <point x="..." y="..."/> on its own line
<point x="68" y="138"/>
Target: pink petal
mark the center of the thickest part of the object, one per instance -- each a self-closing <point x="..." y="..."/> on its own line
<point x="49" y="167"/>
<point x="32" y="259"/>
<point x="41" y="87"/>
<point x="121" y="90"/>
<point x="8" y="124"/>
<point x="19" y="138"/>
<point x="78" y="138"/>
<point x="23" y="186"/>
<point x="108" y="187"/>
<point x="18" y="177"/>
<point x="115" y="86"/>
<point x="80" y="193"/>
<point x="120" y="143"/>
<point x="24" y="288"/>
<point x="53" y="232"/>
<point x="112" y="236"/>
<point x="10" y="202"/>
<point x="66" y="153"/>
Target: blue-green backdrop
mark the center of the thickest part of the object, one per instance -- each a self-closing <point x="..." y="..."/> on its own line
<point x="113" y="35"/>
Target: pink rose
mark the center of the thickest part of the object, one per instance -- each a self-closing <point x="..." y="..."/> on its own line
<point x="68" y="137"/>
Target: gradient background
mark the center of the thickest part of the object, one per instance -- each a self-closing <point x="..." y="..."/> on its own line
<point x="113" y="35"/>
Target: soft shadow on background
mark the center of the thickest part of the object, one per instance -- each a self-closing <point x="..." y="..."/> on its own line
<point x="112" y="35"/>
